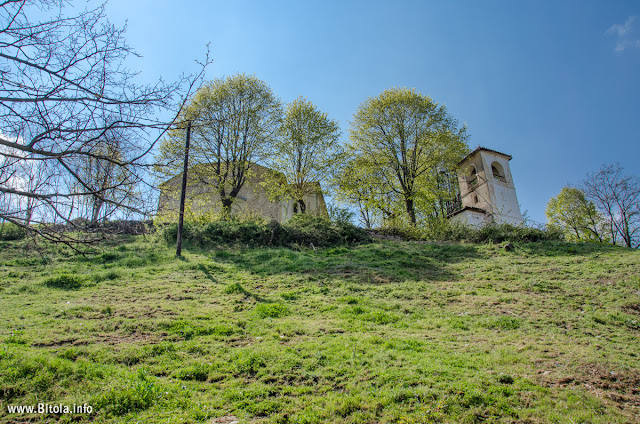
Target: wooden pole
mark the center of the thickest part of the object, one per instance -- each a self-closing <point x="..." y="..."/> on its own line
<point x="184" y="192"/>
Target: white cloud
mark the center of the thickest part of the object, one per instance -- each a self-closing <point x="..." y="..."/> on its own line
<point x="627" y="34"/>
<point x="622" y="29"/>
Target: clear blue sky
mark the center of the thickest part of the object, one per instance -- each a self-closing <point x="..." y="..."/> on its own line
<point x="556" y="84"/>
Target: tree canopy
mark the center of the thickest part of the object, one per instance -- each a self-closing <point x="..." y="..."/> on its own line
<point x="306" y="151"/>
<point x="577" y="216"/>
<point x="400" y="141"/>
<point x="235" y="122"/>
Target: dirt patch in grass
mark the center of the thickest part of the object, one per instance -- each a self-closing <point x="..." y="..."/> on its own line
<point x="632" y="308"/>
<point x="57" y="343"/>
<point x="621" y="387"/>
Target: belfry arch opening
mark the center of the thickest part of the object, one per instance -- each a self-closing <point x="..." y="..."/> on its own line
<point x="498" y="172"/>
<point x="472" y="177"/>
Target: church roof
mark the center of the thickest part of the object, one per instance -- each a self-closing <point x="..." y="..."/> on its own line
<point x="480" y="148"/>
<point x="467" y="208"/>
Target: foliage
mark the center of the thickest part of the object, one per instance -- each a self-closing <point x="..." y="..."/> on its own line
<point x="9" y="231"/>
<point x="301" y="229"/>
<point x="338" y="214"/>
<point x="444" y="230"/>
<point x="399" y="143"/>
<point x="234" y="123"/>
<point x="305" y="153"/>
<point x="64" y="281"/>
<point x="576" y="216"/>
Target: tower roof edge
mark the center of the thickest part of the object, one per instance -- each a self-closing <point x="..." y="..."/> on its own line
<point x="480" y="148"/>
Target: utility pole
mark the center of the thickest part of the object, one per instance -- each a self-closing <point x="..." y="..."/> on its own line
<point x="184" y="191"/>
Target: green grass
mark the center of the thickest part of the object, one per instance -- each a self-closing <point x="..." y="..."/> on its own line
<point x="393" y="332"/>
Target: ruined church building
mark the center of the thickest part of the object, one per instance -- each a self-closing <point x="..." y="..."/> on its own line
<point x="487" y="191"/>
<point x="487" y="194"/>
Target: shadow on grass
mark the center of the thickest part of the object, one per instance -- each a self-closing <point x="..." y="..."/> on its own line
<point x="236" y="288"/>
<point x="207" y="274"/>
<point x="375" y="263"/>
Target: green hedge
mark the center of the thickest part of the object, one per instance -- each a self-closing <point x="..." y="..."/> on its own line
<point x="452" y="231"/>
<point x="306" y="230"/>
<point x="9" y="231"/>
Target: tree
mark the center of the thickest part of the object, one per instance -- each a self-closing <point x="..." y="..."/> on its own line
<point x="103" y="176"/>
<point x="403" y="138"/>
<point x="235" y="121"/>
<point x="358" y="185"/>
<point x="305" y="153"/>
<point x="63" y="89"/>
<point x="577" y="216"/>
<point x="617" y="197"/>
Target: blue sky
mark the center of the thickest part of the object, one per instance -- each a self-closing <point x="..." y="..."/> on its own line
<point x="556" y="84"/>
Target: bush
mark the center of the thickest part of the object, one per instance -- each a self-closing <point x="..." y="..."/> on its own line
<point x="444" y="230"/>
<point x="65" y="282"/>
<point x="9" y="231"/>
<point x="306" y="230"/>
<point x="507" y="232"/>
<point x="404" y="232"/>
<point x="319" y="231"/>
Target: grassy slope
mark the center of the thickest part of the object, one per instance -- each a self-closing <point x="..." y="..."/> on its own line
<point x="385" y="332"/>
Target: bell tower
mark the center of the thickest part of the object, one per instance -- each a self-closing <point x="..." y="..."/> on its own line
<point x="487" y="191"/>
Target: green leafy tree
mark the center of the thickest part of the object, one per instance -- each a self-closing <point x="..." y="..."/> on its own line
<point x="358" y="185"/>
<point x="401" y="139"/>
<point x="306" y="153"/>
<point x="235" y="121"/>
<point x="573" y="213"/>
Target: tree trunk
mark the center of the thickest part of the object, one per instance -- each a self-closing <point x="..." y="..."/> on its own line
<point x="226" y="207"/>
<point x="29" y="213"/>
<point x="97" y="206"/>
<point x="411" y="211"/>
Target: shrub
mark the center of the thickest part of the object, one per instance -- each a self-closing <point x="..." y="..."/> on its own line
<point x="505" y="379"/>
<point x="497" y="233"/>
<point x="9" y="231"/>
<point x="64" y="281"/>
<point x="444" y="230"/>
<point x="302" y="229"/>
<point x="405" y="232"/>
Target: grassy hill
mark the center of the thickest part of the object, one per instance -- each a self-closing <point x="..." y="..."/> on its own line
<point x="397" y="332"/>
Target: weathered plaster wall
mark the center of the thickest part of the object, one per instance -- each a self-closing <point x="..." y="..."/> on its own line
<point x="202" y="198"/>
<point x="497" y="196"/>
<point x="472" y="218"/>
